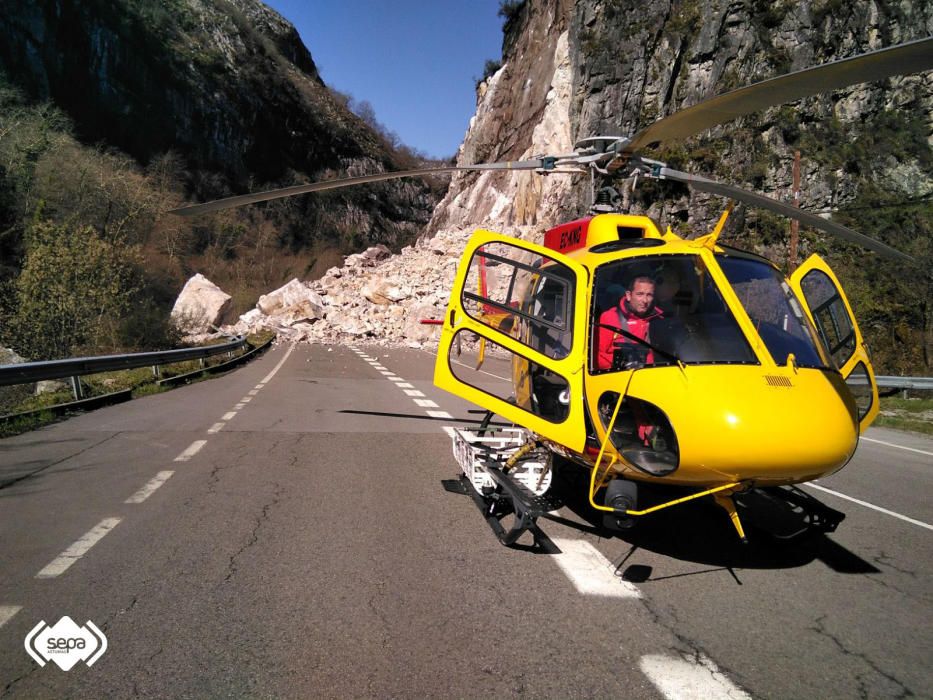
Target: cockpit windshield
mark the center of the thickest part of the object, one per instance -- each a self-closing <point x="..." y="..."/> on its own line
<point x="656" y="311"/>
<point x="775" y="311"/>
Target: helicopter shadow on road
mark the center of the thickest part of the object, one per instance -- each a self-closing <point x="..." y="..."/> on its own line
<point x="779" y="537"/>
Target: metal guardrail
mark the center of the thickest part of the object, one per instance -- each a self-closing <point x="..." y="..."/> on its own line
<point x="924" y="383"/>
<point x="906" y="382"/>
<point x="27" y="372"/>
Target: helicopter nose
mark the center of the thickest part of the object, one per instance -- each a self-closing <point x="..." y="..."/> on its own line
<point x="743" y="423"/>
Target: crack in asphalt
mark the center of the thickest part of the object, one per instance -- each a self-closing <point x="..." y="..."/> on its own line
<point x="864" y="692"/>
<point x="688" y="649"/>
<point x="9" y="686"/>
<point x="18" y="479"/>
<point x="254" y="533"/>
<point x="886" y="560"/>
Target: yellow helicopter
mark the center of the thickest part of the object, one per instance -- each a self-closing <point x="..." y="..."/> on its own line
<point x="645" y="358"/>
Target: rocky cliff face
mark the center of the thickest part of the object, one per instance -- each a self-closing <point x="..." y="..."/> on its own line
<point x="229" y="86"/>
<point x="577" y="69"/>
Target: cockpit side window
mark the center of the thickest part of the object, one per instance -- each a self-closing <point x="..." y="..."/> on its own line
<point x="528" y="298"/>
<point x="672" y="307"/>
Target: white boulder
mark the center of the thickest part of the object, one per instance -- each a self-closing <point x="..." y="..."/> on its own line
<point x="292" y="303"/>
<point x="201" y="305"/>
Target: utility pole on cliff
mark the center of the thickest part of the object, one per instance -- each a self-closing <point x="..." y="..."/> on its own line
<point x="794" y="224"/>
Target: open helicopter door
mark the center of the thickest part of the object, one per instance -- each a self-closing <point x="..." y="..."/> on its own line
<point x="828" y="308"/>
<point x="525" y="305"/>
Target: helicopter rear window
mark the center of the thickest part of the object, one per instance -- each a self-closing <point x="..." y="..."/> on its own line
<point x="654" y="311"/>
<point x="522" y="295"/>
<point x="832" y="319"/>
<point x="774" y="310"/>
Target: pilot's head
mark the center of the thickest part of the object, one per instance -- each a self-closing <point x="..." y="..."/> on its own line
<point x="640" y="295"/>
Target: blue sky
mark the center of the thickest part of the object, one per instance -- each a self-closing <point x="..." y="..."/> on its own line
<point x="415" y="61"/>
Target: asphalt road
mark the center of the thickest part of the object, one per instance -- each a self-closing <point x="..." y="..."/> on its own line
<point x="300" y="544"/>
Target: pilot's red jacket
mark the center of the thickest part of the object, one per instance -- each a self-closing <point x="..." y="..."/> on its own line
<point x="621" y="316"/>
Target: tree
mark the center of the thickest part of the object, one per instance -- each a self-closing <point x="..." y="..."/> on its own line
<point x="71" y="294"/>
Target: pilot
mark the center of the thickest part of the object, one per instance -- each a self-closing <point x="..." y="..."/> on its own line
<point x="634" y="314"/>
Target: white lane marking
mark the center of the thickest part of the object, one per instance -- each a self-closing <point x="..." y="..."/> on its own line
<point x="252" y="392"/>
<point x="404" y="385"/>
<point x="61" y="563"/>
<point x="228" y="416"/>
<point x="439" y="414"/>
<point x="265" y="380"/>
<point x="425" y="403"/>
<point x="191" y="450"/>
<point x="149" y="488"/>
<point x="413" y="392"/>
<point x="449" y="429"/>
<point x="678" y="678"/>
<point x="590" y="572"/>
<point x="387" y="373"/>
<point x="259" y="386"/>
<point x="376" y="365"/>
<point x="900" y="447"/>
<point x="216" y="428"/>
<point x="870" y="505"/>
<point x="246" y="399"/>
<point x="481" y="371"/>
<point x="7" y="612"/>
<point x="239" y="406"/>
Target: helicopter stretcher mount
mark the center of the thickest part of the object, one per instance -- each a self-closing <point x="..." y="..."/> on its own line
<point x="507" y="475"/>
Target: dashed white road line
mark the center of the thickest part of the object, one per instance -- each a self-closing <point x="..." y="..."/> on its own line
<point x="404" y="385"/>
<point x="590" y="572"/>
<point x="246" y="399"/>
<point x="870" y="505"/>
<point x="229" y="415"/>
<point x="265" y="380"/>
<point x="259" y="386"/>
<point x="64" y="560"/>
<point x="425" y="403"/>
<point x="150" y="487"/>
<point x="449" y="429"/>
<point x="413" y="392"/>
<point x="191" y="450"/>
<point x="678" y="678"/>
<point x="216" y="428"/>
<point x="252" y="392"/>
<point x="439" y="414"/>
<point x="900" y="447"/>
<point x="7" y="612"/>
<point x="239" y="406"/>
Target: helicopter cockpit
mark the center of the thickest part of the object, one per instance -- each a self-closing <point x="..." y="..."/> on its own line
<point x="687" y="319"/>
<point x="690" y="322"/>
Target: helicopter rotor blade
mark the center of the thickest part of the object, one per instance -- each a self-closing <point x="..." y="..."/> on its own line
<point x="903" y="59"/>
<point x="757" y="200"/>
<point x="544" y="163"/>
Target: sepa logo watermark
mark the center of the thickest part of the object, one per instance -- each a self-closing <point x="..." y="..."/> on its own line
<point x="65" y="643"/>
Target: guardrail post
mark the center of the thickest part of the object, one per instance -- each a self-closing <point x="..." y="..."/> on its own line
<point x="76" y="387"/>
<point x="156" y="371"/>
<point x="201" y="360"/>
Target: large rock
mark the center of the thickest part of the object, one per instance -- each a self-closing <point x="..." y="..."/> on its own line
<point x="292" y="303"/>
<point x="201" y="305"/>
